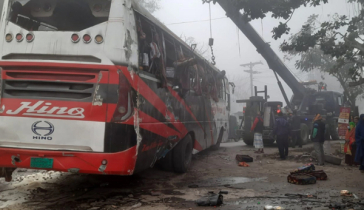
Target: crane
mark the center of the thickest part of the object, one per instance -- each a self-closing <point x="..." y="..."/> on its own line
<point x="305" y="101"/>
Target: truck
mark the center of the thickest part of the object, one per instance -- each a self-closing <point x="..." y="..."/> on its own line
<point x="306" y="101"/>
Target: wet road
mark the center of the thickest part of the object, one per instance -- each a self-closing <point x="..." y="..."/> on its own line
<point x="264" y="182"/>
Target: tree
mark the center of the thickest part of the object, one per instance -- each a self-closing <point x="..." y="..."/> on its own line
<point x="341" y="38"/>
<point x="314" y="58"/>
<point x="201" y="49"/>
<point x="150" y="5"/>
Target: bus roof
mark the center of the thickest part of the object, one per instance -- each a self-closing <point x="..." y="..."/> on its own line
<point x="141" y="10"/>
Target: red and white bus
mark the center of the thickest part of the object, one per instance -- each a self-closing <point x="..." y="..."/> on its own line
<point x="102" y="87"/>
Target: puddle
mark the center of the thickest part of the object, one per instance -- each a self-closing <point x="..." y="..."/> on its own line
<point x="225" y="181"/>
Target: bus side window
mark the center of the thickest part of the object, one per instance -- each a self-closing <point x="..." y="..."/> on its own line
<point x="221" y="89"/>
<point x="170" y="59"/>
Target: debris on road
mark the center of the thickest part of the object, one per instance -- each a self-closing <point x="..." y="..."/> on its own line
<point x="320" y="175"/>
<point x="329" y="158"/>
<point x="346" y="193"/>
<point x="243" y="164"/>
<point x="155" y="193"/>
<point x="137" y="205"/>
<point x="306" y="175"/>
<point x="212" y="199"/>
<point x="301" y="179"/>
<point x="193" y="186"/>
<point x="244" y="158"/>
<point x="273" y="208"/>
<point x="304" y="169"/>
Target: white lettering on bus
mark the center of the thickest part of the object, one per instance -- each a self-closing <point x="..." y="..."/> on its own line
<point x="36" y="110"/>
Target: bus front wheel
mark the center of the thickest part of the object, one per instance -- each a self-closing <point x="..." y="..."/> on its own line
<point x="182" y="155"/>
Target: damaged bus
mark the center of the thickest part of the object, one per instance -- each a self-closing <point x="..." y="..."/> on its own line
<point x="102" y="87"/>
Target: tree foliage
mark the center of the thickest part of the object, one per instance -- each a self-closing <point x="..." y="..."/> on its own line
<point x="315" y="58"/>
<point x="341" y="38"/>
<point x="150" y="5"/>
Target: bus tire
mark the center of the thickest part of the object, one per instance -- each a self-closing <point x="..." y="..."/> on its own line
<point x="166" y="163"/>
<point x="182" y="155"/>
<point x="304" y="133"/>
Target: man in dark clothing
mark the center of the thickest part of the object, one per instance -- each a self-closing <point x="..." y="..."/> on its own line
<point x="359" y="141"/>
<point x="318" y="138"/>
<point x="282" y="130"/>
<point x="296" y="130"/>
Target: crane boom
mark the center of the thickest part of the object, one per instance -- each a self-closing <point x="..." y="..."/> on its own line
<point x="274" y="62"/>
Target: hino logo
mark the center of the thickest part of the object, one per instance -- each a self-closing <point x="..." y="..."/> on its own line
<point x="47" y="111"/>
<point x="45" y="135"/>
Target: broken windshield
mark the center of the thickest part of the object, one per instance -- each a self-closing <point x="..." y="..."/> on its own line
<point x="61" y="15"/>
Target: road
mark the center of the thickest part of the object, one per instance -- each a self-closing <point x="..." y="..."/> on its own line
<point x="264" y="182"/>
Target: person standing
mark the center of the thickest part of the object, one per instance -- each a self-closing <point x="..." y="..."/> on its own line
<point x="318" y="138"/>
<point x="359" y="141"/>
<point x="282" y="131"/>
<point x="257" y="128"/>
<point x="350" y="148"/>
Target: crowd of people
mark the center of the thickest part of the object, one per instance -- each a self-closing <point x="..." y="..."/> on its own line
<point x="287" y="131"/>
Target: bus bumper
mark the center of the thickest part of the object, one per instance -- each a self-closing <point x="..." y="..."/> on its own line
<point x="120" y="163"/>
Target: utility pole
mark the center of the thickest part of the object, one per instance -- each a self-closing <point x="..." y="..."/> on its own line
<point x="251" y="72"/>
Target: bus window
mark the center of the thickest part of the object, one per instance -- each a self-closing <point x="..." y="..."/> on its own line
<point x="220" y="88"/>
<point x="171" y="56"/>
<point x="60" y="15"/>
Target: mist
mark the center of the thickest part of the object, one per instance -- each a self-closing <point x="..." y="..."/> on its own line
<point x="190" y="18"/>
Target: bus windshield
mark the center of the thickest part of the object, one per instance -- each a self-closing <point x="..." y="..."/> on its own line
<point x="58" y="15"/>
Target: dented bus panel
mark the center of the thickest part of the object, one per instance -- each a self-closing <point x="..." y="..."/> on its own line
<point x="112" y="92"/>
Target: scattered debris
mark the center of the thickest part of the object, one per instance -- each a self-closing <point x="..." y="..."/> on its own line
<point x="212" y="199"/>
<point x="301" y="179"/>
<point x="244" y="158"/>
<point x="137" y="205"/>
<point x="243" y="164"/>
<point x="332" y="159"/>
<point x="272" y="207"/>
<point x="193" y="186"/>
<point x="306" y="175"/>
<point x="224" y="192"/>
<point x="304" y="169"/>
<point x="320" y="175"/>
<point x="154" y="193"/>
<point x="41" y="190"/>
<point x="227" y="158"/>
<point x="346" y="193"/>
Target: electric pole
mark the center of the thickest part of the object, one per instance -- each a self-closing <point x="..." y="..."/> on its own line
<point x="251" y="72"/>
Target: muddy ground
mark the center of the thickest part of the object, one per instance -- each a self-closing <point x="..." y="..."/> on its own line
<point x="263" y="183"/>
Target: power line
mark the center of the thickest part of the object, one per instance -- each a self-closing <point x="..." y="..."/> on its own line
<point x="197" y="21"/>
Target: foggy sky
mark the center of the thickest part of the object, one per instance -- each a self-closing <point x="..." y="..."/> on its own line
<point x="225" y="33"/>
